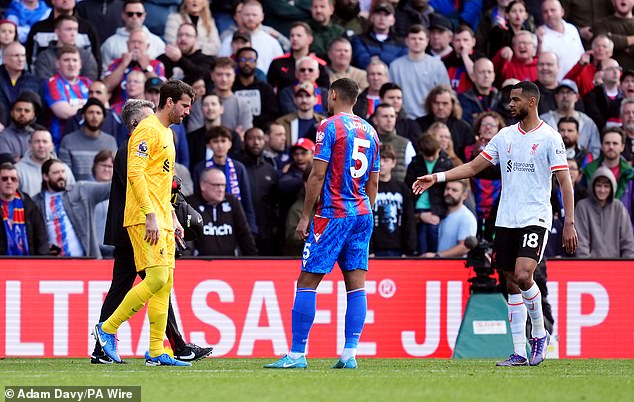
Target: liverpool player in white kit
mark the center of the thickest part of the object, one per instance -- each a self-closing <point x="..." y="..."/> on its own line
<point x="528" y="153"/>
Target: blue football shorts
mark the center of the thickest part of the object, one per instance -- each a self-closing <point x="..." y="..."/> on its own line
<point x="342" y="240"/>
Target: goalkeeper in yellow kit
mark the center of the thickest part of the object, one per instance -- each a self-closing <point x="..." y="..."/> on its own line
<point x="151" y="222"/>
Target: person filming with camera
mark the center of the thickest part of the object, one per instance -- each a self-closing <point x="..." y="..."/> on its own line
<point x="529" y="153"/>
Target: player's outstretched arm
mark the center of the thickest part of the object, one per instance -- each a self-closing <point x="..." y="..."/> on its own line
<point x="469" y="169"/>
<point x="570" y="234"/>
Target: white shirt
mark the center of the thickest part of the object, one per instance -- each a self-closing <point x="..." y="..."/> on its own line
<point x="527" y="161"/>
<point x="567" y="46"/>
<point x="117" y="44"/>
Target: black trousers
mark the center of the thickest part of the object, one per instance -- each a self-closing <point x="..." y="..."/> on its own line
<point x="123" y="275"/>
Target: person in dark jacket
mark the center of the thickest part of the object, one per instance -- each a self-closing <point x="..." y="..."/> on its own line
<point x="124" y="269"/>
<point x="483" y="96"/>
<point x="394" y="233"/>
<point x="410" y="12"/>
<point x="14" y="79"/>
<point x="225" y="231"/>
<point x="442" y="105"/>
<point x="429" y="208"/>
<point x="23" y="232"/>
<point x="378" y="41"/>
<point x="263" y="177"/>
<point x="185" y="56"/>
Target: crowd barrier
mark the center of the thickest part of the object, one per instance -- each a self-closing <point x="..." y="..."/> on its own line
<point x="243" y="308"/>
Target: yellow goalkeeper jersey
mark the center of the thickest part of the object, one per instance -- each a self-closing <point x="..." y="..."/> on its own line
<point x="151" y="158"/>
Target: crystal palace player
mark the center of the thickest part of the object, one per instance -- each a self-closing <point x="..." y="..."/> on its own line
<point x="528" y="153"/>
<point x="346" y="165"/>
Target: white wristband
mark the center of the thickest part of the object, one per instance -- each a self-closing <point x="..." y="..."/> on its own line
<point x="440" y="177"/>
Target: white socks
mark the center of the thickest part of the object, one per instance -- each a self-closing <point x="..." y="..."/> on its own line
<point x="533" y="301"/>
<point x="348" y="353"/>
<point x="517" y="319"/>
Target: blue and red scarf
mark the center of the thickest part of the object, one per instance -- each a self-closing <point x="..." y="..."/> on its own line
<point x="15" y="226"/>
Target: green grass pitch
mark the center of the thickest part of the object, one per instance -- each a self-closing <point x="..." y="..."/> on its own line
<point x="217" y="379"/>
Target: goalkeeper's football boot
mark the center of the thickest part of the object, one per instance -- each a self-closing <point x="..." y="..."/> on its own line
<point x="287" y="362"/>
<point x="163" y="360"/>
<point x="513" y="360"/>
<point x="108" y="343"/>
<point x="539" y="347"/>
<point x="351" y="363"/>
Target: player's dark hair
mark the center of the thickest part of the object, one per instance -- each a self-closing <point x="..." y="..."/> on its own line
<point x="428" y="144"/>
<point x="568" y="119"/>
<point x="174" y="89"/>
<point x="529" y="89"/>
<point x="388" y="86"/>
<point x="346" y="89"/>
<point x="217" y="132"/>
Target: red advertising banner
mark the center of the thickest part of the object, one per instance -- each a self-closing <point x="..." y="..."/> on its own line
<point x="243" y="308"/>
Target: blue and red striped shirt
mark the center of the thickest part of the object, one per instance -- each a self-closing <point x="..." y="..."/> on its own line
<point x="350" y="146"/>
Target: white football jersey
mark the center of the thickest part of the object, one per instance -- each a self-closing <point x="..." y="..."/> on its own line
<point x="527" y="161"/>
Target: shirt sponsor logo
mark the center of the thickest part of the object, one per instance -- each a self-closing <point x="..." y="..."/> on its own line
<point x="223" y="230"/>
<point x="525" y="167"/>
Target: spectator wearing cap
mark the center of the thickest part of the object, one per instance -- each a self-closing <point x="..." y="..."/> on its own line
<point x="620" y="28"/>
<point x="66" y="27"/>
<point x="378" y="40"/>
<point x="152" y="90"/>
<point x="340" y="57"/>
<point x="14" y="139"/>
<point x="590" y="63"/>
<point x="411" y="12"/>
<point x="242" y="38"/>
<point x="8" y="34"/>
<point x="282" y="72"/>
<point x="520" y="61"/>
<point x="292" y="177"/>
<point x="23" y="16"/>
<point x="43" y="32"/>
<point x="306" y="70"/>
<point x="483" y="96"/>
<point x="559" y="37"/>
<point x="23" y="232"/>
<point x="197" y="14"/>
<point x="459" y="11"/>
<point x="133" y="17"/>
<point x="303" y="122"/>
<point x="418" y="72"/>
<point x="440" y="35"/>
<point x="78" y="149"/>
<point x="40" y="150"/>
<point x="136" y="58"/>
<point x="603" y="103"/>
<point x="219" y="142"/>
<point x="324" y="30"/>
<point x="184" y="60"/>
<point x="566" y="96"/>
<point x="65" y="92"/>
<point x="251" y="16"/>
<point x="14" y="79"/>
<point x="259" y="95"/>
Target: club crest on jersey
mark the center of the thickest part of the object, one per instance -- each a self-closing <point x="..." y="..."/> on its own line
<point x="142" y="150"/>
<point x="534" y="149"/>
<point x="508" y="151"/>
<point x="319" y="227"/>
<point x="320" y="136"/>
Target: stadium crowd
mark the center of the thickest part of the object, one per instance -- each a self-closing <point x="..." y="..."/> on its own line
<point x="435" y="78"/>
